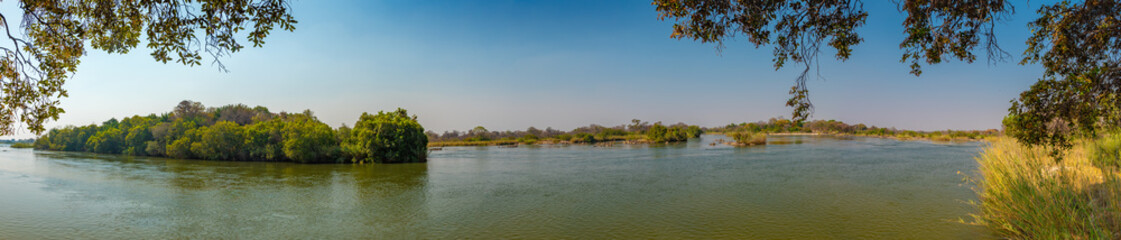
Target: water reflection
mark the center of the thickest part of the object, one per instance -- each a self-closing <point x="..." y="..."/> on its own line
<point x="211" y="199"/>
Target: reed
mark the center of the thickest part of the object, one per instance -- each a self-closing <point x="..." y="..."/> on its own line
<point x="1024" y="193"/>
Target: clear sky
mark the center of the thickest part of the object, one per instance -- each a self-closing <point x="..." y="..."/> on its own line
<point x="509" y="65"/>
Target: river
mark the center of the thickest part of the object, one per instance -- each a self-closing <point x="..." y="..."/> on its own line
<point x="800" y="187"/>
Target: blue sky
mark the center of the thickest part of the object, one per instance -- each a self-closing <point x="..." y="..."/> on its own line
<point x="509" y="65"/>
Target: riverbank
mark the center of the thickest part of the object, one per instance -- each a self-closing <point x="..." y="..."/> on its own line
<point x="1027" y="194"/>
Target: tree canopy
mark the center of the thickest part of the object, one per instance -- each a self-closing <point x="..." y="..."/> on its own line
<point x="53" y="35"/>
<point x="1078" y="44"/>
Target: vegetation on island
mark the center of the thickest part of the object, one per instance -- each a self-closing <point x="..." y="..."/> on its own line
<point x="240" y="133"/>
<point x="746" y="138"/>
<point x="21" y="145"/>
<point x="637" y="132"/>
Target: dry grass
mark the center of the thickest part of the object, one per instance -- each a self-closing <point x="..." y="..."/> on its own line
<point x="1026" y="194"/>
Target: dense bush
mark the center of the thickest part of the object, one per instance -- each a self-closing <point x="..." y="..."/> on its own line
<point x="659" y="133"/>
<point x="222" y="141"/>
<point x="388" y="137"/>
<point x="746" y="138"/>
<point x="307" y="140"/>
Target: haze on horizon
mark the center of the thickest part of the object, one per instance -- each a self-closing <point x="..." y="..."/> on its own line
<point x="509" y="65"/>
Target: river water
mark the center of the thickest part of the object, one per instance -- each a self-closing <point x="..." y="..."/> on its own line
<point x="799" y="187"/>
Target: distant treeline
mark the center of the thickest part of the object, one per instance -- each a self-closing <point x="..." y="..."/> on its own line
<point x="638" y="131"/>
<point x="11" y="141"/>
<point x="240" y="133"/>
<point x="18" y="143"/>
<point x="780" y="125"/>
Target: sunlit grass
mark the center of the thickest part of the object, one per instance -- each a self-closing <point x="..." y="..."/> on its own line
<point x="1027" y="194"/>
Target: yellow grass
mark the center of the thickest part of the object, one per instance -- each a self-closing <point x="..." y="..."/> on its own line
<point x="1026" y="194"/>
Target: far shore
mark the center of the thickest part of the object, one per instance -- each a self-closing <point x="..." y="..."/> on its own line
<point x="510" y="143"/>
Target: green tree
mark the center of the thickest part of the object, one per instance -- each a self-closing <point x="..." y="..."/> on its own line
<point x="181" y="147"/>
<point x="33" y="70"/>
<point x="264" y="141"/>
<point x="657" y="132"/>
<point x="1079" y="46"/>
<point x="307" y="140"/>
<point x="136" y="141"/>
<point x="105" y="141"/>
<point x="388" y="137"/>
<point x="221" y="141"/>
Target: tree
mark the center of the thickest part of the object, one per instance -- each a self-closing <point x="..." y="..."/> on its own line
<point x="307" y="140"/>
<point x="106" y="141"/>
<point x="34" y="68"/>
<point x="190" y="110"/>
<point x="388" y="137"/>
<point x="657" y="132"/>
<point x="1078" y="44"/>
<point x="240" y="114"/>
<point x="221" y="141"/>
<point x="265" y="140"/>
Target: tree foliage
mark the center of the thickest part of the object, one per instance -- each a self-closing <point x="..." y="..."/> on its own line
<point x="35" y="66"/>
<point x="796" y="28"/>
<point x="659" y="133"/>
<point x="1079" y="46"/>
<point x="388" y="137"/>
<point x="799" y="29"/>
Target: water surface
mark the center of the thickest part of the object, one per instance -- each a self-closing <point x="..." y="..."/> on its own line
<point x="812" y="188"/>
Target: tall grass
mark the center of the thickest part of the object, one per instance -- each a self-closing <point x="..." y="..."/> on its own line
<point x="1026" y="194"/>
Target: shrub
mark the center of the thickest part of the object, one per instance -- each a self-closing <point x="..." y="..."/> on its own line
<point x="749" y="138"/>
<point x="656" y="133"/>
<point x="22" y="145"/>
<point x="693" y="131"/>
<point x="659" y="133"/>
<point x="222" y="141"/>
<point x="180" y="148"/>
<point x="583" y="138"/>
<point x="265" y="140"/>
<point x="307" y="140"/>
<point x="106" y="141"/>
<point x="391" y="137"/>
